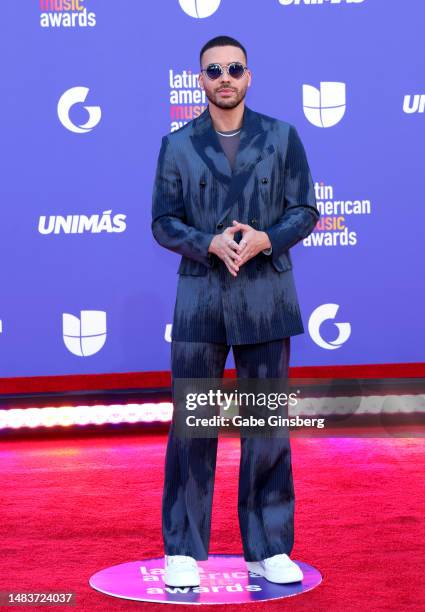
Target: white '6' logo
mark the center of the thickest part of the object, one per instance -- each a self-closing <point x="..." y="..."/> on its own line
<point x="323" y="313"/>
<point x="77" y="95"/>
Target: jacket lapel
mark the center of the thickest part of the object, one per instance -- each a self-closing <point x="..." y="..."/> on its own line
<point x="251" y="150"/>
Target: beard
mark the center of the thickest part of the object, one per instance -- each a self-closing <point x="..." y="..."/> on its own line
<point x="221" y="102"/>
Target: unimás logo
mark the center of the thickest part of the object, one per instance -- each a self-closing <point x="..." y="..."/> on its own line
<point x="324" y="107"/>
<point x="71" y="97"/>
<point x="318" y="2"/>
<point x="85" y="335"/>
<point x="414" y="104"/>
<point x="335" y="226"/>
<point x="65" y="14"/>
<point x="199" y="9"/>
<point x="80" y="224"/>
<point x="327" y="312"/>
<point x="187" y="99"/>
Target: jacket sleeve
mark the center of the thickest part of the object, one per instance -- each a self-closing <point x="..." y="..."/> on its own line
<point x="301" y="213"/>
<point x="168" y="212"/>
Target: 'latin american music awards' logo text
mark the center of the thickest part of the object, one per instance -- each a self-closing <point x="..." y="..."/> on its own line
<point x="65" y="14"/>
<point x="187" y="99"/>
<point x="334" y="225"/>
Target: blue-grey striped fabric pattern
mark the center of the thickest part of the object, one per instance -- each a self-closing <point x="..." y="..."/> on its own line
<point x="196" y="195"/>
<point x="266" y="495"/>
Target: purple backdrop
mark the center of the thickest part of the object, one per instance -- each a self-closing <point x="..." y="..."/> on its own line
<point x="76" y="182"/>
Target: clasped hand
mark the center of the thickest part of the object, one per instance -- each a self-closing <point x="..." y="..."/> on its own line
<point x="235" y="254"/>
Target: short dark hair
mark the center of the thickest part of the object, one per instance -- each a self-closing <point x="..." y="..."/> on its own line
<point x="222" y="41"/>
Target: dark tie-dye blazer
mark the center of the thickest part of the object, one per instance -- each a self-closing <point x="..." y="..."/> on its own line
<point x="196" y="195"/>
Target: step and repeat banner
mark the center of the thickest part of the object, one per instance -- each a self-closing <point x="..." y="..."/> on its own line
<point x="88" y="89"/>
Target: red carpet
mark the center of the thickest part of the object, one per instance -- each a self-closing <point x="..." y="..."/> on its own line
<point x="72" y="507"/>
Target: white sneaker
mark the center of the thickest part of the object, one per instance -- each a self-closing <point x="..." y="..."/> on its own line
<point x="181" y="571"/>
<point x="278" y="568"/>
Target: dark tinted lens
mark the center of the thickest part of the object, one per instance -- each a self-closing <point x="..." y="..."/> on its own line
<point x="236" y="70"/>
<point x="213" y="71"/>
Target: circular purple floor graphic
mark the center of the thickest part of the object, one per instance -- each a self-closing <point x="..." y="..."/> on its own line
<point x="224" y="579"/>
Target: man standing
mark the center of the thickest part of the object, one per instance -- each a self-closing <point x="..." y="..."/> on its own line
<point x="232" y="194"/>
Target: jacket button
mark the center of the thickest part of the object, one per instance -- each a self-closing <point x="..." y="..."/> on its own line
<point x="202" y="183"/>
<point x="264" y="179"/>
<point x="253" y="221"/>
<point x="220" y="226"/>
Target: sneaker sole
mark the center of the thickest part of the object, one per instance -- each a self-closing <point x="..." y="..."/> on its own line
<point x="183" y="582"/>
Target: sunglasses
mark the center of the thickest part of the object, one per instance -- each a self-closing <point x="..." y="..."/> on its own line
<point x="236" y="70"/>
